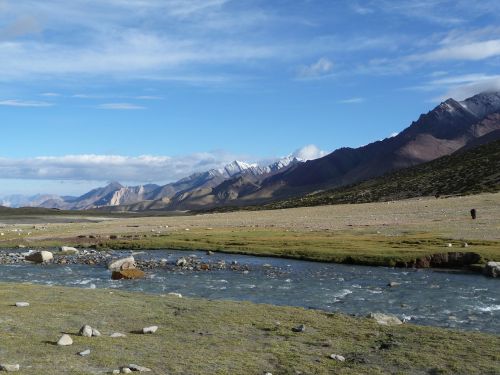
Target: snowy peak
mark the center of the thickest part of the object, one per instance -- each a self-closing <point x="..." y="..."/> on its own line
<point x="284" y="163"/>
<point x="238" y="167"/>
<point x="483" y="104"/>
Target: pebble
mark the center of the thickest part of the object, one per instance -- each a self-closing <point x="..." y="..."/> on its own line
<point x="22" y="304"/>
<point x="301" y="328"/>
<point x="9" y="368"/>
<point x="65" y="340"/>
<point x="84" y="353"/>
<point x="337" y="357"/>
<point x="151" y="329"/>
<point x="117" y="334"/>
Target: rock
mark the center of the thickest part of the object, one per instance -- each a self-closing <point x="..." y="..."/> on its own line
<point x="9" y="368"/>
<point x="126" y="370"/>
<point x="150" y="330"/>
<point x="85" y="331"/>
<point x="128" y="274"/>
<point x="210" y="252"/>
<point x="393" y="284"/>
<point x="385" y="319"/>
<point x="450" y="245"/>
<point x="123" y="263"/>
<point x="465" y="244"/>
<point x="95" y="333"/>
<point x="68" y="249"/>
<point x="181" y="262"/>
<point x="40" y="257"/>
<point x="84" y="353"/>
<point x="22" y="304"/>
<point x="139" y="368"/>
<point x="492" y="269"/>
<point x="116" y="371"/>
<point x="65" y="340"/>
<point x="301" y="328"/>
<point x="117" y="335"/>
<point x="337" y="357"/>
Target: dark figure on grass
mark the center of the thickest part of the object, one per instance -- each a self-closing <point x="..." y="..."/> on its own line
<point x="473" y="214"/>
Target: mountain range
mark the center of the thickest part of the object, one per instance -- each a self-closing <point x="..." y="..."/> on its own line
<point x="450" y="127"/>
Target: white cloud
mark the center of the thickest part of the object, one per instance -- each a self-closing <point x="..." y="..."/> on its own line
<point x="92" y="167"/>
<point x="50" y="94"/>
<point x="473" y="51"/>
<point x="24" y="103"/>
<point x="320" y="68"/>
<point x="352" y="101"/>
<point x="309" y="152"/>
<point x="120" y="106"/>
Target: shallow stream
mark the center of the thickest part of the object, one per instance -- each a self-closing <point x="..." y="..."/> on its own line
<point x="427" y="297"/>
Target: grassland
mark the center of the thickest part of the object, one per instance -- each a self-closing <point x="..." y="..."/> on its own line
<point x="373" y="233"/>
<point x="207" y="337"/>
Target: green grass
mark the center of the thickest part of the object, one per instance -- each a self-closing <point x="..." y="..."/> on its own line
<point x="206" y="337"/>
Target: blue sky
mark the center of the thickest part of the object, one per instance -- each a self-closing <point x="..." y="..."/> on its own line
<point x="153" y="90"/>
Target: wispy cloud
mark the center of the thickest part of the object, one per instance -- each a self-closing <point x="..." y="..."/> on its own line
<point x="24" y="103"/>
<point x="309" y="152"/>
<point x="357" y="100"/>
<point x="320" y="68"/>
<point x="474" y="51"/>
<point x="120" y="106"/>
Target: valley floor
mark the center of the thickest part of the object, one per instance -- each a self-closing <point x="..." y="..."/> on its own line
<point x="374" y="233"/>
<point x="207" y="337"/>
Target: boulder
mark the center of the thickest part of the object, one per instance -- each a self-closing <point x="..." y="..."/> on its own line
<point x="95" y="332"/>
<point x="84" y="353"/>
<point x="126" y="370"/>
<point x="9" y="368"/>
<point x="40" y="257"/>
<point x="68" y="250"/>
<point x="65" y="340"/>
<point x="22" y="304"/>
<point x="128" y="274"/>
<point x="299" y="329"/>
<point x="123" y="263"/>
<point x="492" y="269"/>
<point x="385" y="319"/>
<point x="337" y="357"/>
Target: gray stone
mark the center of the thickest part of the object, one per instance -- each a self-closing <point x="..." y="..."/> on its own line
<point x="337" y="357"/>
<point x="116" y="335"/>
<point x="116" y="371"/>
<point x="126" y="370"/>
<point x="181" y="262"/>
<point x="138" y="368"/>
<point x="123" y="263"/>
<point x="385" y="319"/>
<point x="40" y="257"/>
<point x="9" y="368"/>
<point x="22" y="304"/>
<point x="492" y="269"/>
<point x="86" y="331"/>
<point x="393" y="284"/>
<point x="84" y="353"/>
<point x="150" y="330"/>
<point x="301" y="328"/>
<point x="65" y="340"/>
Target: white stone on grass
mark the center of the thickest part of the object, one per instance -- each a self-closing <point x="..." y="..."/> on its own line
<point x="385" y="319"/>
<point x="65" y="340"/>
<point x="95" y="332"/>
<point x="126" y="370"/>
<point x="175" y="295"/>
<point x="138" y="368"/>
<point x="337" y="357"/>
<point x="117" y="334"/>
<point x="86" y="331"/>
<point x="84" y="353"/>
<point x="9" y="368"/>
<point x="22" y="304"/>
<point x="150" y="330"/>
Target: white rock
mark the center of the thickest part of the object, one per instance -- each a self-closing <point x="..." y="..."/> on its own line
<point x="126" y="370"/>
<point x="84" y="353"/>
<point x="116" y="265"/>
<point x="40" y="257"/>
<point x="138" y="368"/>
<point x="337" y="357"/>
<point x="86" y="331"/>
<point x="65" y="340"/>
<point x="151" y="329"/>
<point x="68" y="249"/>
<point x="9" y="368"/>
<point x="95" y="333"/>
<point x="116" y="371"/>
<point x="385" y="319"/>
<point x="117" y="334"/>
<point x="22" y="304"/>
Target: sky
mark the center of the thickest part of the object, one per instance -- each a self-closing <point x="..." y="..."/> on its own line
<point x="141" y="91"/>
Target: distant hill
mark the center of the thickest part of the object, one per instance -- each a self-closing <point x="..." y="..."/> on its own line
<point x="467" y="171"/>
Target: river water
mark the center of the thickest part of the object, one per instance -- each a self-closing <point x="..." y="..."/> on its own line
<point x="426" y="297"/>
